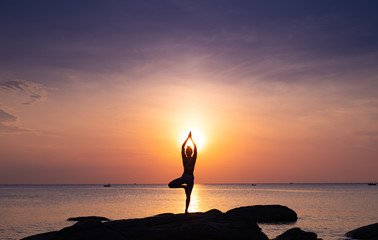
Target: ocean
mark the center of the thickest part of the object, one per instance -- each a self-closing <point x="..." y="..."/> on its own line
<point x="330" y="210"/>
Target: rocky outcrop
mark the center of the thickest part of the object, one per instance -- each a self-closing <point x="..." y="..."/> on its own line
<point x="239" y="223"/>
<point x="297" y="234"/>
<point x="369" y="232"/>
<point x="265" y="213"/>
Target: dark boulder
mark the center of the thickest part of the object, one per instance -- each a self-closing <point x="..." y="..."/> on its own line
<point x="265" y="213"/>
<point x="369" y="232"/>
<point x="297" y="234"/>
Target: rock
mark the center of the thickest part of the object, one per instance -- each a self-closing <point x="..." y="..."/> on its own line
<point x="84" y="225"/>
<point x="236" y="224"/>
<point x="87" y="218"/>
<point x="297" y="234"/>
<point x="87" y="229"/>
<point x="209" y="225"/>
<point x="45" y="236"/>
<point x="369" y="232"/>
<point x="265" y="213"/>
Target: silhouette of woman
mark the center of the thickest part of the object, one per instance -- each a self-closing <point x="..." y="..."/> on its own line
<point x="186" y="181"/>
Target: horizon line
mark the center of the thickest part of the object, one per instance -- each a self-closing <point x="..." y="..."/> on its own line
<point x="227" y="183"/>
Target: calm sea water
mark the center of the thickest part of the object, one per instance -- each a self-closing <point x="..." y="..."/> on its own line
<point x="330" y="210"/>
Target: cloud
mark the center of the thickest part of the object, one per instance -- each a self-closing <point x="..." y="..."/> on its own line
<point x="33" y="91"/>
<point x="234" y="31"/>
<point x="4" y="129"/>
<point x="6" y="117"/>
<point x="7" y="121"/>
<point x="12" y="93"/>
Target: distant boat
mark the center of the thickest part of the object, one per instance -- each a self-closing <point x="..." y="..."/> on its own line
<point x="107" y="185"/>
<point x="253" y="184"/>
<point x="372" y="184"/>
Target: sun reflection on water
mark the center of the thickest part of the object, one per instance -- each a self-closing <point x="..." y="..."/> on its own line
<point x="195" y="200"/>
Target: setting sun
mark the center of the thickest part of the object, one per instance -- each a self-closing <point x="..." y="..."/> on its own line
<point x="197" y="135"/>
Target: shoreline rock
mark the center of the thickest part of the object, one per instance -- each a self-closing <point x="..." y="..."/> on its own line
<point x="297" y="234"/>
<point x="265" y="213"/>
<point x="239" y="223"/>
<point x="368" y="232"/>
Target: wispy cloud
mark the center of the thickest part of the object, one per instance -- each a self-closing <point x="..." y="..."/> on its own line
<point x="6" y="117"/>
<point x="33" y="91"/>
<point x="7" y="124"/>
<point x="14" y="92"/>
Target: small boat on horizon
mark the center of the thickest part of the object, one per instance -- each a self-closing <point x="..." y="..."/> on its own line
<point x="372" y="184"/>
<point x="107" y="185"/>
<point x="253" y="184"/>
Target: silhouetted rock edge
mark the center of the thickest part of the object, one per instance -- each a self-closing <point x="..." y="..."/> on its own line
<point x="238" y="223"/>
<point x="368" y="232"/>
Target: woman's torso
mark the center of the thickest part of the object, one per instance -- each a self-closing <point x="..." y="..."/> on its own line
<point x="189" y="166"/>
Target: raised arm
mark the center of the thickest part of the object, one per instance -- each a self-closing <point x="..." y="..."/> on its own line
<point x="183" y="146"/>
<point x="195" y="148"/>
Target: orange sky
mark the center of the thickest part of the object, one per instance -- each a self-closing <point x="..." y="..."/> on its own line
<point x="272" y="107"/>
<point x="287" y="136"/>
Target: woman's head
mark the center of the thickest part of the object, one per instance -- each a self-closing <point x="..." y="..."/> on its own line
<point x="188" y="151"/>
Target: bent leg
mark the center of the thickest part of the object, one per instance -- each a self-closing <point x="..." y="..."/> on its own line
<point x="177" y="183"/>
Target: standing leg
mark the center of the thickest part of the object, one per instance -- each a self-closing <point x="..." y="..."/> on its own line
<point x="188" y="192"/>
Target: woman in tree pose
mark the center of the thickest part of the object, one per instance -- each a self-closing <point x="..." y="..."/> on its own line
<point x="186" y="181"/>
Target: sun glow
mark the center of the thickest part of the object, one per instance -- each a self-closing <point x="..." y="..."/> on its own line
<point x="198" y="138"/>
